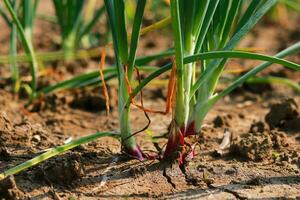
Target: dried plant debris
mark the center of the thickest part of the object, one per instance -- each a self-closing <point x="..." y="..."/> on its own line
<point x="224" y="147"/>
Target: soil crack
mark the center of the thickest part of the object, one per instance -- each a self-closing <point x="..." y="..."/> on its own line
<point x="169" y="179"/>
<point x="234" y="193"/>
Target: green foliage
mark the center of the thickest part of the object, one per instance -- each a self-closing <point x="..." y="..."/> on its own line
<point x="74" y="26"/>
<point x="206" y="31"/>
<point x="125" y="55"/>
<point x="28" y="47"/>
<point x="26" y="22"/>
<point x="215" y="32"/>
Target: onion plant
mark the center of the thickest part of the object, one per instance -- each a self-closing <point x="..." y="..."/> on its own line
<point x="79" y="54"/>
<point x="15" y="76"/>
<point x="125" y="56"/>
<point x="290" y="4"/>
<point x="205" y="26"/>
<point x="26" y="42"/>
<point x="27" y="17"/>
<point x="125" y="64"/>
<point x="293" y="4"/>
<point x="283" y="11"/>
<point x="74" y="25"/>
<point x="189" y="59"/>
<point x="202" y="30"/>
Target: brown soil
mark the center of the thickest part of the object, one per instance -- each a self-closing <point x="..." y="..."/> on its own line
<point x="263" y="160"/>
<point x="9" y="189"/>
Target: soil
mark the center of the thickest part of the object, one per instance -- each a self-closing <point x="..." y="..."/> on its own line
<point x="262" y="161"/>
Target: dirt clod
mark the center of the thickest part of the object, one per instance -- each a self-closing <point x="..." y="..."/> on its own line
<point x="292" y="157"/>
<point x="88" y="100"/>
<point x="4" y="153"/>
<point x="222" y="121"/>
<point x="63" y="170"/>
<point x="253" y="146"/>
<point x="5" y="123"/>
<point x="282" y="112"/>
<point x="258" y="127"/>
<point x="137" y="171"/>
<point x="279" y="139"/>
<point x="259" y="143"/>
<point x="257" y="88"/>
<point x="9" y="189"/>
<point x="292" y="125"/>
<point x="49" y="102"/>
